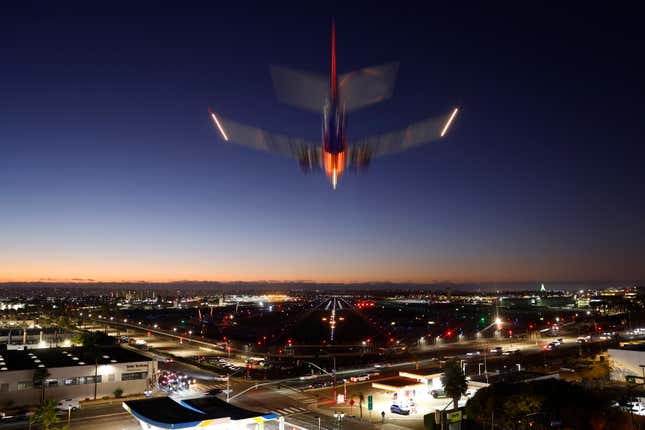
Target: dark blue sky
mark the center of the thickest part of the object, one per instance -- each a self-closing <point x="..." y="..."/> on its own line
<point x="111" y="169"/>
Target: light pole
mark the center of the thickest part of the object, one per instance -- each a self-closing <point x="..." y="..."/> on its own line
<point x="69" y="415"/>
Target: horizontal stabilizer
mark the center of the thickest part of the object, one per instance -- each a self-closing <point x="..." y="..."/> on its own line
<point x="364" y="87"/>
<point x="306" y="91"/>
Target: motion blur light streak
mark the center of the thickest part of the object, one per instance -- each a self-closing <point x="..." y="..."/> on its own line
<point x="219" y="126"/>
<point x="452" y="116"/>
<point x="357" y="90"/>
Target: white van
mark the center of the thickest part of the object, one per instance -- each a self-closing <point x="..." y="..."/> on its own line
<point x="67" y="404"/>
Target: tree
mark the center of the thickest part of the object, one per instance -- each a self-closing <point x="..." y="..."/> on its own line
<point x="46" y="416"/>
<point x="118" y="392"/>
<point x="40" y="379"/>
<point x="92" y="342"/>
<point x="454" y="382"/>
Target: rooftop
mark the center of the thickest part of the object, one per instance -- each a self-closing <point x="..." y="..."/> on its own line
<point x="513" y="377"/>
<point x="633" y="347"/>
<point x="396" y="383"/>
<point x="167" y="413"/>
<point x="428" y="371"/>
<point x="64" y="357"/>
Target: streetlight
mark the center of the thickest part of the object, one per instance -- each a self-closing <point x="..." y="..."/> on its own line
<point x="69" y="415"/>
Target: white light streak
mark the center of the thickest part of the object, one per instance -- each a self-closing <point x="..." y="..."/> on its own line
<point x="445" y="127"/>
<point x="221" y="130"/>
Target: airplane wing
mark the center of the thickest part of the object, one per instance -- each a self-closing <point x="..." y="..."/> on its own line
<point x="306" y="152"/>
<point x="367" y="86"/>
<point x="419" y="133"/>
<point x="307" y="91"/>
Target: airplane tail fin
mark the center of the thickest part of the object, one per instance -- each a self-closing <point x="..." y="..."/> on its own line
<point x="334" y="84"/>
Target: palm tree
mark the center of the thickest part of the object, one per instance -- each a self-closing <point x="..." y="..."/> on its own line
<point x="46" y="415"/>
<point x="40" y="378"/>
<point x="454" y="382"/>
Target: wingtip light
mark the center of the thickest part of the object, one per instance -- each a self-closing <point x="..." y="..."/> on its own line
<point x="447" y="126"/>
<point x="219" y="126"/>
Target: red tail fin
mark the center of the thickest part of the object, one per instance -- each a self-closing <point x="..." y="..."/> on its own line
<point x="333" y="62"/>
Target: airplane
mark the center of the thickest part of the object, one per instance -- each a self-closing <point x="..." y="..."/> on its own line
<point x="335" y="98"/>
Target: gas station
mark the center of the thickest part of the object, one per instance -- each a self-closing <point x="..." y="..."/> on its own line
<point x="203" y="413"/>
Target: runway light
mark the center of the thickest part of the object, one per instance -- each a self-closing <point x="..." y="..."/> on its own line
<point x="219" y="126"/>
<point x="452" y="117"/>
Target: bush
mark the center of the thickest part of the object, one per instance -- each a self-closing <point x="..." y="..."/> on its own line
<point x="118" y="392"/>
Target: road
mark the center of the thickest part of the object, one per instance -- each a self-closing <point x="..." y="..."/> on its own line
<point x="97" y="417"/>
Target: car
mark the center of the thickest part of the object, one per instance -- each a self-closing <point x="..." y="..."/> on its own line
<point x="396" y="409"/>
<point x="511" y="352"/>
<point x="472" y="354"/>
<point x="496" y="350"/>
<point x="67" y="404"/>
<point x="583" y="339"/>
<point x="549" y="346"/>
<point x="214" y="391"/>
<point x="438" y="393"/>
<point x="16" y="414"/>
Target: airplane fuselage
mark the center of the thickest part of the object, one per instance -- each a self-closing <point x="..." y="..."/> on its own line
<point x="334" y="142"/>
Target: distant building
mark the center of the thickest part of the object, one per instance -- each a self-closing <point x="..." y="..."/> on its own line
<point x="72" y="374"/>
<point x="583" y="302"/>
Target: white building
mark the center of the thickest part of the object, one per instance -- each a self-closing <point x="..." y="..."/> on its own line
<point x="72" y="373"/>
<point x="628" y="363"/>
<point x="204" y="413"/>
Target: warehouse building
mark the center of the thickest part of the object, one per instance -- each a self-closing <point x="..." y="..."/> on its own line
<point x="72" y="373"/>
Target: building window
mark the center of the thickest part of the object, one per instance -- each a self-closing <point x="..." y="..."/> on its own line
<point x="134" y="376"/>
<point x="69" y="381"/>
<point x="52" y="382"/>
<point x="25" y="385"/>
<point x="4" y="388"/>
<point x="90" y="379"/>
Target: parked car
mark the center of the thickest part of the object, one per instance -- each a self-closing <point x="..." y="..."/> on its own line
<point x="67" y="404"/>
<point x="438" y="393"/>
<point x="15" y="414"/>
<point x="396" y="409"/>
